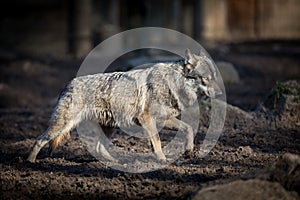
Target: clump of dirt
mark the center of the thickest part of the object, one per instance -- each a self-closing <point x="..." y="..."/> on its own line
<point x="279" y="182"/>
<point x="250" y="189"/>
<point x="282" y="106"/>
<point x="286" y="171"/>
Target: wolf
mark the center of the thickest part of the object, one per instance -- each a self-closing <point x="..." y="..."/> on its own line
<point x="124" y="99"/>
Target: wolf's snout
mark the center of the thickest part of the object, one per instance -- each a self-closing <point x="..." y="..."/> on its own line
<point x="213" y="93"/>
<point x="210" y="91"/>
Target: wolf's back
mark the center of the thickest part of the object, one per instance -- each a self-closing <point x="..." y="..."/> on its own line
<point x="117" y="99"/>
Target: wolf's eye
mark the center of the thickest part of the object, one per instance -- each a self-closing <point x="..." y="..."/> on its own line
<point x="205" y="79"/>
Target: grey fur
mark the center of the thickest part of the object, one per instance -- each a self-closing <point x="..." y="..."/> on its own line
<point x="125" y="99"/>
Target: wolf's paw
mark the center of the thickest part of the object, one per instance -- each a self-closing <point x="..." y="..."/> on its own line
<point x="161" y="157"/>
<point x="189" y="147"/>
<point x="188" y="154"/>
<point x="189" y="150"/>
<point x="100" y="149"/>
<point x="110" y="158"/>
<point x="31" y="158"/>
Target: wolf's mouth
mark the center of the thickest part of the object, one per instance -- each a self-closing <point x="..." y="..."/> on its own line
<point x="213" y="94"/>
<point x="210" y="93"/>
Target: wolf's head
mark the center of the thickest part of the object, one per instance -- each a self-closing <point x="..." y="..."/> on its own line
<point x="201" y="69"/>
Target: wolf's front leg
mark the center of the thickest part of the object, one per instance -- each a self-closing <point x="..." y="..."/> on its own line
<point x="101" y="149"/>
<point x="149" y="125"/>
<point x="177" y="124"/>
<point x="103" y="143"/>
<point x="155" y="140"/>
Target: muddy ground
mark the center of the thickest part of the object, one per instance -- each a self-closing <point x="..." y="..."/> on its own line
<point x="251" y="143"/>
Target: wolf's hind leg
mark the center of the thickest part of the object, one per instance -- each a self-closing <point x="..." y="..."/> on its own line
<point x="38" y="145"/>
<point x="61" y="123"/>
<point x="103" y="143"/>
<point x="177" y="124"/>
<point x="55" y="133"/>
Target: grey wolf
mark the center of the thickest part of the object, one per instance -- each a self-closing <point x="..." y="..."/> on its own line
<point x="124" y="99"/>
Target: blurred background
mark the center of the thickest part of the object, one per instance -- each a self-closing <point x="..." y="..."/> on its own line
<point x="61" y="27"/>
<point x="42" y="43"/>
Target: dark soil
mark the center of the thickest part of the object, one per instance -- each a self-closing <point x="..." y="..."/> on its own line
<point x="29" y="88"/>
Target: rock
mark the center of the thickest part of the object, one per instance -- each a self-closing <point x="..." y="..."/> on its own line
<point x="238" y="118"/>
<point x="286" y="171"/>
<point x="228" y="72"/>
<point x="281" y="181"/>
<point x="251" y="189"/>
<point x="282" y="105"/>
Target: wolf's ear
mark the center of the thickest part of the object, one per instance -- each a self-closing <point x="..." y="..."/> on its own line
<point x="189" y="57"/>
<point x="202" y="53"/>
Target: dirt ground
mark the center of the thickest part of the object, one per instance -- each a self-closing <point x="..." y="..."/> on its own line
<point x="253" y="140"/>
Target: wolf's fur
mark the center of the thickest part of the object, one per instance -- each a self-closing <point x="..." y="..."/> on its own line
<point x="124" y="99"/>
